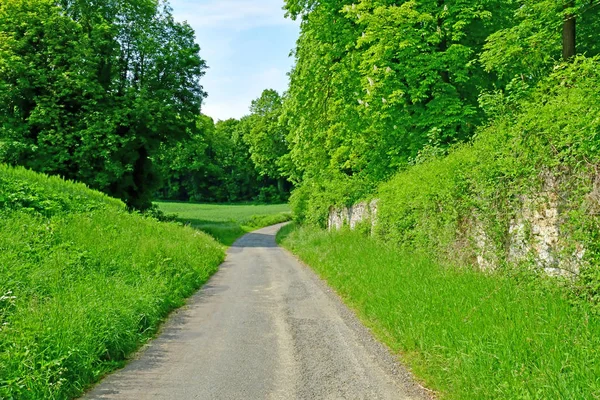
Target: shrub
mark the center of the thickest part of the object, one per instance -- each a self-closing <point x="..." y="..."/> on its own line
<point x="552" y="135"/>
<point x="311" y="202"/>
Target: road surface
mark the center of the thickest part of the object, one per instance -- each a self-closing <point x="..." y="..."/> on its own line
<point x="264" y="327"/>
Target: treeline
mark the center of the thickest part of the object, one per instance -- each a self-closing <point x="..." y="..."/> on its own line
<point x="230" y="161"/>
<point x="379" y="86"/>
<point x="108" y="93"/>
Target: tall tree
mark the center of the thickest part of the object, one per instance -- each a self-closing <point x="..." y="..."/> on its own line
<point x="420" y="81"/>
<point x="320" y="108"/>
<point x="94" y="88"/>
<point x="376" y="81"/>
<point x="267" y="137"/>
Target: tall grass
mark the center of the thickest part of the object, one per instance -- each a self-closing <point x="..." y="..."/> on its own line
<point x="468" y="335"/>
<point x="227" y="222"/>
<point x="83" y="283"/>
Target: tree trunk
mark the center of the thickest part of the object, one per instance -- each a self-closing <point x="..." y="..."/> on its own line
<point x="569" y="33"/>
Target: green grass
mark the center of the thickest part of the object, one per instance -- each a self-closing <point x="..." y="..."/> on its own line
<point x="225" y="222"/>
<point x="83" y="283"/>
<point x="466" y="334"/>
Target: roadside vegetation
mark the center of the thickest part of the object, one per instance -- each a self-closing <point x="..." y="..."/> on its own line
<point x="459" y="118"/>
<point x="83" y="282"/>
<point x="465" y="334"/>
<point x="226" y="222"/>
<point x="453" y="114"/>
<point x="508" y="333"/>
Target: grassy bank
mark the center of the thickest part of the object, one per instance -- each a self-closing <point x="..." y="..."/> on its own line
<point x="83" y="283"/>
<point x="226" y="222"/>
<point x="466" y="334"/>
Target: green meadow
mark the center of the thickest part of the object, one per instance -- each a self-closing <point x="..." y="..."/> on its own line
<point x="226" y="222"/>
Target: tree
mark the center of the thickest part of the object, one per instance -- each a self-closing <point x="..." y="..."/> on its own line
<point x="542" y="33"/>
<point x="93" y="90"/>
<point x="569" y="32"/>
<point x="266" y="136"/>
<point x="240" y="179"/>
<point x="215" y="165"/>
<point x="185" y="167"/>
<point x="420" y="80"/>
<point x="320" y="110"/>
<point x="376" y="81"/>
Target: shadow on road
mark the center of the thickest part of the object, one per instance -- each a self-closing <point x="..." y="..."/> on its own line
<point x="256" y="240"/>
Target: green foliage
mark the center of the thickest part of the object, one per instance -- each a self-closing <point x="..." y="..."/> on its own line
<point x="382" y="85"/>
<point x="468" y="335"/>
<point x="440" y="203"/>
<point x="377" y="81"/>
<point x="266" y="136"/>
<point x="419" y="78"/>
<point x="110" y="95"/>
<point x="532" y="45"/>
<point x="320" y="107"/>
<point x="91" y="92"/>
<point x="213" y="164"/>
<point x="185" y="165"/>
<point x="83" y="283"/>
<point x="226" y="223"/>
<point x="240" y="180"/>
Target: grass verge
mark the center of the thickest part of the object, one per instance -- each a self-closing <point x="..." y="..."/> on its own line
<point x="466" y="334"/>
<point x="226" y="222"/>
<point x="83" y="283"/>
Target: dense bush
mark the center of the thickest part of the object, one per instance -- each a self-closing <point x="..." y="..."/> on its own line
<point x="311" y="201"/>
<point x="83" y="283"/>
<point x="551" y="133"/>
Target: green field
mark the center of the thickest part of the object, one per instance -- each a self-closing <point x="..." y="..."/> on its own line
<point x="466" y="334"/>
<point x="225" y="222"/>
<point x="84" y="283"/>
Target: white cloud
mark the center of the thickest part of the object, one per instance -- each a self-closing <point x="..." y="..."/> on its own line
<point x="235" y="15"/>
<point x="246" y="44"/>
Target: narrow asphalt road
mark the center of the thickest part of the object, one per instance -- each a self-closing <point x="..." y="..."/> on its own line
<point x="264" y="327"/>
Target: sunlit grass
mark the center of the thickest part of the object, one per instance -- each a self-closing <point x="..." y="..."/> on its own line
<point x="83" y="283"/>
<point x="466" y="334"/>
<point x="227" y="222"/>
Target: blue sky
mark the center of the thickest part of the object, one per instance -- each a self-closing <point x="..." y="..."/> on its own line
<point x="246" y="44"/>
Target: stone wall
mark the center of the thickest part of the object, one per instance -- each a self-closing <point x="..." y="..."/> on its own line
<point x="353" y="215"/>
<point x="533" y="235"/>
